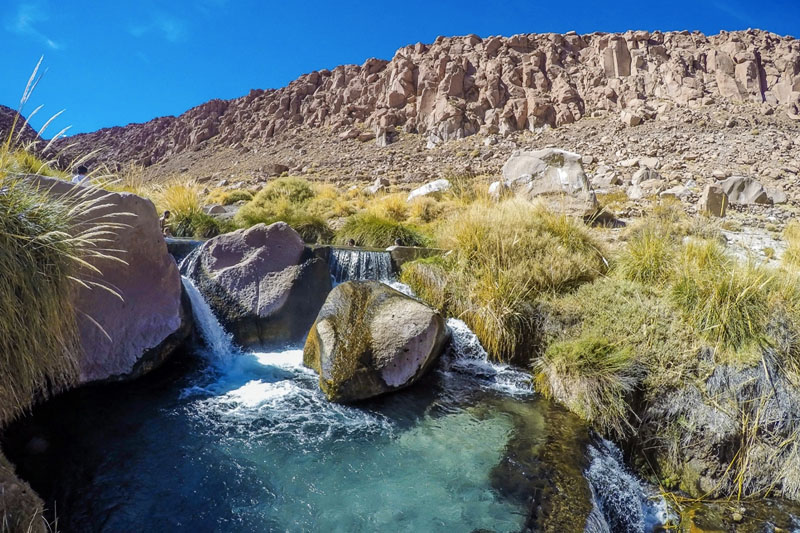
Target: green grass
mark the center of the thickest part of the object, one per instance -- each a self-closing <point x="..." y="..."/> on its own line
<point x="726" y="303"/>
<point x="504" y="258"/>
<point x="649" y="257"/>
<point x="44" y="253"/>
<point x="593" y="377"/>
<point x="374" y="231"/>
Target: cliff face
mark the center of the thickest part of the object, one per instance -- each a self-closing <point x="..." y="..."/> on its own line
<point x="459" y="86"/>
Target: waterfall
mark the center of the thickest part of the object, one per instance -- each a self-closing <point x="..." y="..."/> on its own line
<point x="219" y="342"/>
<point x="621" y="502"/>
<point x="352" y="265"/>
<point x="467" y="356"/>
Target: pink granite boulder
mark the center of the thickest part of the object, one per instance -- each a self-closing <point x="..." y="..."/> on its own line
<point x="127" y="335"/>
<point x="263" y="284"/>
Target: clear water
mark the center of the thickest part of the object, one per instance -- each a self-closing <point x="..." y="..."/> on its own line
<point x="246" y="442"/>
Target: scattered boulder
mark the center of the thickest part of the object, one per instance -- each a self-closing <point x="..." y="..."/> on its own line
<point x="263" y="284"/>
<point x="679" y="192"/>
<point x="214" y="209"/>
<point x="777" y="196"/>
<point x="370" y="339"/>
<point x="645" y="174"/>
<point x="379" y="185"/>
<point x="274" y="169"/>
<point x="714" y="201"/>
<point x="128" y="336"/>
<point x="434" y="187"/>
<point x="631" y="118"/>
<point x="744" y="191"/>
<point x="498" y="190"/>
<point x="551" y="174"/>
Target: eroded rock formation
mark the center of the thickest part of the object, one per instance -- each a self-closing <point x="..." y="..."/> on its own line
<point x="459" y="86"/>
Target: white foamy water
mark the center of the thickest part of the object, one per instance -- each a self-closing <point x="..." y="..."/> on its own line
<point x="219" y="343"/>
<point x="467" y="356"/>
<point x="353" y="264"/>
<point x="621" y="502"/>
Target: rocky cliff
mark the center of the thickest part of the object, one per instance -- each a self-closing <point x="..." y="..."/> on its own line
<point x="460" y="86"/>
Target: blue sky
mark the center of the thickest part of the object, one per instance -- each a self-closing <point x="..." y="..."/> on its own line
<point x="112" y="63"/>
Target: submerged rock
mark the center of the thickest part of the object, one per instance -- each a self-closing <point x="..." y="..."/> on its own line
<point x="263" y="284"/>
<point x="370" y="339"/>
<point x="554" y="175"/>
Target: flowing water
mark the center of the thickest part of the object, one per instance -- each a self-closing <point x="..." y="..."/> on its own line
<point x="353" y="264"/>
<point x="245" y="441"/>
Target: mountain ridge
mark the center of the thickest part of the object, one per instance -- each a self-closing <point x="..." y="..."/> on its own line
<point x="460" y="86"/>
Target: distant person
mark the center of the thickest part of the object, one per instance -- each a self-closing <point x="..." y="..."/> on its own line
<point x="164" y="228"/>
<point x="80" y="175"/>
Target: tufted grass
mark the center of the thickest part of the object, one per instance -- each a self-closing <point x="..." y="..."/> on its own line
<point x="223" y="197"/>
<point x="374" y="231"/>
<point x="791" y="234"/>
<point x="593" y="377"/>
<point x="505" y="257"/>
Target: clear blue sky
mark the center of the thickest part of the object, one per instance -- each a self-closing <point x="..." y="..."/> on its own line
<point x="112" y="63"/>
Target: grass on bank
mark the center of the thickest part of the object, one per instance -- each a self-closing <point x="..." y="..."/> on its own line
<point x="504" y="257"/>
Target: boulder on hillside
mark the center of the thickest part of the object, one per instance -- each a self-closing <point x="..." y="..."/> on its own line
<point x="370" y="339"/>
<point x="434" y="187"/>
<point x="714" y="201"/>
<point x="263" y="284"/>
<point x="124" y="338"/>
<point x="554" y="175"/>
<point x="744" y="191"/>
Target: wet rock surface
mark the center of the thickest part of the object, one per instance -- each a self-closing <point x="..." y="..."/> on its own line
<point x="264" y="285"/>
<point x="370" y="339"/>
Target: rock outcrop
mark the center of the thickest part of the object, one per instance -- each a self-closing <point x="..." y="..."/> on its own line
<point x="551" y="174"/>
<point x="459" y="86"/>
<point x="743" y="191"/>
<point x="124" y="335"/>
<point x="263" y="284"/>
<point x="370" y="339"/>
<point x="10" y="123"/>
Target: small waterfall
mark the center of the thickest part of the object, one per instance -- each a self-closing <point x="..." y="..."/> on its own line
<point x="621" y="502"/>
<point x="467" y="356"/>
<point x="219" y="342"/>
<point x="353" y="265"/>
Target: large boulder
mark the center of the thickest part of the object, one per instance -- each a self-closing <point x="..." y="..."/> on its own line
<point x="744" y="191"/>
<point x="263" y="284"/>
<point x="554" y="175"/>
<point x="370" y="339"/>
<point x="127" y="334"/>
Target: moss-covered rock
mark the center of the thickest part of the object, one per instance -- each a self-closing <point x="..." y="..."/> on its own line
<point x="370" y="339"/>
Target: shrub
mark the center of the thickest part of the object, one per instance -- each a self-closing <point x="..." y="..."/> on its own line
<point x="649" y="257"/>
<point x="223" y="197"/>
<point x="428" y="279"/>
<point x="391" y="206"/>
<point x="425" y="209"/>
<point x="724" y="302"/>
<point x="592" y="377"/>
<point x="367" y="229"/>
<point x="282" y="198"/>
<point x="295" y="190"/>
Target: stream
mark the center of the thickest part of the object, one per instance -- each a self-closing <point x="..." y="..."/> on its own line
<point x="244" y="441"/>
